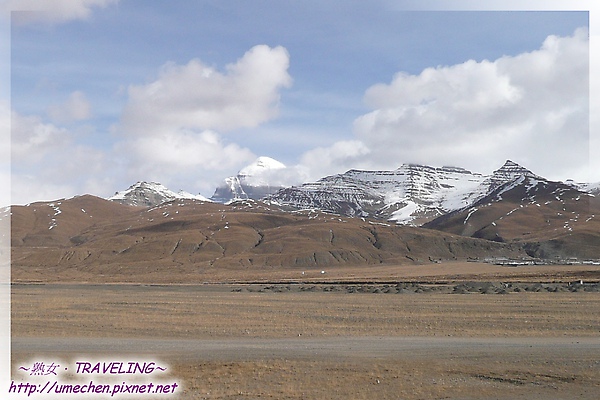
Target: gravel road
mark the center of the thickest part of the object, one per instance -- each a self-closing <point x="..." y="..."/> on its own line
<point x="367" y="347"/>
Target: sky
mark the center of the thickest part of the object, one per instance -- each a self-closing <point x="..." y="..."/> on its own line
<point x="98" y="94"/>
<point x="105" y="93"/>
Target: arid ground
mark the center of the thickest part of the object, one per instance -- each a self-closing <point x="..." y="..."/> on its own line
<point x="515" y="333"/>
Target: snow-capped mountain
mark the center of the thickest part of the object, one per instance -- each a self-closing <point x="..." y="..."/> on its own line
<point x="556" y="219"/>
<point x="412" y="194"/>
<point x="255" y="181"/>
<point x="592" y="188"/>
<point x="149" y="194"/>
<point x="531" y="215"/>
<point x="509" y="172"/>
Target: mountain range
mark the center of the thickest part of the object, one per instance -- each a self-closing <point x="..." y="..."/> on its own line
<point x="415" y="214"/>
<point x="87" y="238"/>
<point x="411" y="195"/>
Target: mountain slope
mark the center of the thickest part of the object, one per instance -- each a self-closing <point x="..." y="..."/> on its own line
<point x="187" y="241"/>
<point x="412" y="194"/>
<point x="57" y="223"/>
<point x="553" y="218"/>
<point x="149" y="194"/>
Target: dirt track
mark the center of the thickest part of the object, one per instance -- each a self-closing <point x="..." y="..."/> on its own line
<point x="325" y="348"/>
<point x="222" y="343"/>
<point x="418" y="367"/>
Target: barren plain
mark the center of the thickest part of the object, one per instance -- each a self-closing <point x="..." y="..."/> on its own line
<point x="439" y="331"/>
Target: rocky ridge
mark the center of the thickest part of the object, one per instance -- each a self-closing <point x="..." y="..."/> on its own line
<point x="412" y="194"/>
<point x="150" y="194"/>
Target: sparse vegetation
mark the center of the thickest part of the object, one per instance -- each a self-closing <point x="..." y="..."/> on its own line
<point x="261" y="342"/>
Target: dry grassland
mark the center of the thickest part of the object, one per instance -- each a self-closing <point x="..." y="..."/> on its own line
<point x="534" y="347"/>
<point x="209" y="312"/>
<point x="436" y="272"/>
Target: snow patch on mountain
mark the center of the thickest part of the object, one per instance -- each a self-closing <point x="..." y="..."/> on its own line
<point x="406" y="195"/>
<point x="591" y="188"/>
<point x="412" y="194"/>
<point x="509" y="172"/>
<point x="259" y="172"/>
<point x="256" y="181"/>
<point x="149" y="194"/>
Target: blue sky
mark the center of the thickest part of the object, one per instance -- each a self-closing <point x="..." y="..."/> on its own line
<point x="320" y="86"/>
<point x="355" y="84"/>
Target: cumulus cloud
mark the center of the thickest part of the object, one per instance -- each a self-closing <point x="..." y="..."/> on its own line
<point x="197" y="96"/>
<point x="53" y="12"/>
<point x="185" y="149"/>
<point x="339" y="157"/>
<point x="4" y="130"/>
<point x="5" y="155"/>
<point x="275" y="175"/>
<point x="33" y="140"/>
<point x="182" y="159"/>
<point x="173" y="128"/>
<point x="532" y="108"/>
<point x="594" y="167"/>
<point x="75" y="108"/>
<point x="170" y="131"/>
<point x="48" y="163"/>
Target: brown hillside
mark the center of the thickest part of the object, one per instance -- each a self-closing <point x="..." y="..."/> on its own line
<point x="553" y="221"/>
<point x="57" y="223"/>
<point x="182" y="241"/>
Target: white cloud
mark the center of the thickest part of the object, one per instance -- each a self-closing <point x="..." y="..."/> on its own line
<point x="5" y="155"/>
<point x="594" y="167"/>
<point x="29" y="188"/>
<point x="185" y="149"/>
<point x="167" y="132"/>
<point x="191" y="160"/>
<point x="76" y="108"/>
<point x="196" y="96"/>
<point x="47" y="162"/>
<point x="532" y="108"/>
<point x="33" y="140"/>
<point x="286" y="176"/>
<point x="172" y="128"/>
<point x="339" y="157"/>
<point x="5" y="124"/>
<point x="53" y="12"/>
